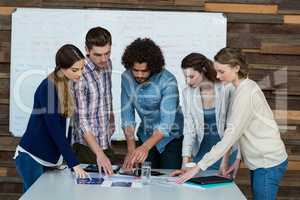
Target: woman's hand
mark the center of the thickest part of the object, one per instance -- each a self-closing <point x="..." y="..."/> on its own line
<point x="223" y="168"/>
<point x="233" y="168"/>
<point x="103" y="162"/>
<point x="190" y="173"/>
<point x="179" y="172"/>
<point x="80" y="173"/>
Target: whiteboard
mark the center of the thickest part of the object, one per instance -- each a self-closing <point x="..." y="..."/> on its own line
<point x="38" y="33"/>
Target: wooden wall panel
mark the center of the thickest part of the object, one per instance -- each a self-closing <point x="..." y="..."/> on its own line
<point x="4" y="113"/>
<point x="288" y="45"/>
<point x="286" y="60"/>
<point x="127" y="4"/>
<point x="245" y="1"/>
<point x="291" y="19"/>
<point x="255" y="18"/>
<point x="282" y="101"/>
<point x="20" y="3"/>
<point x="5" y="22"/>
<point x="4" y="88"/>
<point x="289" y="7"/>
<point x="241" y="8"/>
<point x="279" y="29"/>
<point x="4" y="52"/>
<point x="4" y="68"/>
<point x="5" y="36"/>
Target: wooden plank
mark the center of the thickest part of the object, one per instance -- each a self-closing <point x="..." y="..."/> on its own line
<point x="254" y="40"/>
<point x="4" y="102"/>
<point x="287" y="60"/>
<point x="195" y="3"/>
<point x="4" y="75"/>
<point x="240" y="8"/>
<point x="20" y="3"/>
<point x="291" y="19"/>
<point x="283" y="102"/>
<point x="121" y="4"/>
<point x="6" y="10"/>
<point x="5" y="22"/>
<point x="289" y="7"/>
<point x="245" y="1"/>
<point x="290" y="46"/>
<point x="280" y="80"/>
<point x="278" y="29"/>
<point x="4" y="88"/>
<point x="273" y="67"/>
<point x="4" y="52"/>
<point x="10" y="185"/>
<point x="251" y="50"/>
<point x="4" y="114"/>
<point x="254" y="18"/>
<point x="287" y="114"/>
<point x="4" y="68"/>
<point x="8" y="171"/>
<point x="243" y="40"/>
<point x="5" y="36"/>
<point x="9" y="141"/>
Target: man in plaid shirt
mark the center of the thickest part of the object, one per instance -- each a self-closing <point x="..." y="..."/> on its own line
<point x="94" y="118"/>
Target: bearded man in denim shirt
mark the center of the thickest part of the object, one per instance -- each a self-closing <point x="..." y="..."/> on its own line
<point x="150" y="90"/>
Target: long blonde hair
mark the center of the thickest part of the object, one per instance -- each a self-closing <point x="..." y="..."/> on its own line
<point x="66" y="56"/>
<point x="65" y="99"/>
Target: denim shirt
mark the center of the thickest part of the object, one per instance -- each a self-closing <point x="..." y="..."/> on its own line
<point x="157" y="104"/>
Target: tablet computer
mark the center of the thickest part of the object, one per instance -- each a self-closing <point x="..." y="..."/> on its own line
<point x="209" y="180"/>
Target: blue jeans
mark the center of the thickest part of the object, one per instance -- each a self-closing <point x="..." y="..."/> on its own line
<point x="28" y="169"/>
<point x="265" y="181"/>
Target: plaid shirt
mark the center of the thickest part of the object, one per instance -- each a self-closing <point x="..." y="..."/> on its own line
<point x="93" y="104"/>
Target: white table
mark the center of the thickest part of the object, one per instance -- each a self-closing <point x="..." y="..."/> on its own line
<point x="60" y="185"/>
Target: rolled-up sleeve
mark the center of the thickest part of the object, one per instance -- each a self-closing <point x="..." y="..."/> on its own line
<point x="168" y="107"/>
<point x="81" y="99"/>
<point x="127" y="108"/>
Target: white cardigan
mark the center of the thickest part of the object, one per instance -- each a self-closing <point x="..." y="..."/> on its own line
<point x="252" y="124"/>
<point x="194" y="117"/>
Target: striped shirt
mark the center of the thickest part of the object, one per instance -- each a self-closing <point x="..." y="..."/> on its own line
<point x="93" y="104"/>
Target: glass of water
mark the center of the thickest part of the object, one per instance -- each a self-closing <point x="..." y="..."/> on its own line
<point x="146" y="172"/>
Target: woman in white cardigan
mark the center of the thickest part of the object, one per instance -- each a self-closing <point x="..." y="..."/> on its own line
<point x="252" y="124"/>
<point x="205" y="103"/>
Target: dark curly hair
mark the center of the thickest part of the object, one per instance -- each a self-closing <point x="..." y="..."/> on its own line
<point x="144" y="50"/>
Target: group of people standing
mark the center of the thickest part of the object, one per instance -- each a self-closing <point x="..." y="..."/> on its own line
<point x="225" y="116"/>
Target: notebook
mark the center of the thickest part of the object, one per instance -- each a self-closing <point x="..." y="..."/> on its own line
<point x="209" y="180"/>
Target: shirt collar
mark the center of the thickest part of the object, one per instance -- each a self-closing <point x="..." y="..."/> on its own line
<point x="92" y="65"/>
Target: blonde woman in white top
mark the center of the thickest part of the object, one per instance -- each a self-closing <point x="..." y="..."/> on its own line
<point x="251" y="123"/>
<point x="205" y="106"/>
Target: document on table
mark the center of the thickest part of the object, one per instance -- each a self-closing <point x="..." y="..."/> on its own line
<point x="111" y="181"/>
